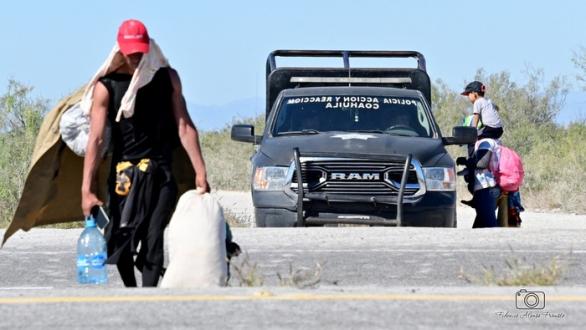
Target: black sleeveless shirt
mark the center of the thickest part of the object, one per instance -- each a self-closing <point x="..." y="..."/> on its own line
<point x="151" y="132"/>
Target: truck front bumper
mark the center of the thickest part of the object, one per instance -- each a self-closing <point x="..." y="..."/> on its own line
<point x="278" y="209"/>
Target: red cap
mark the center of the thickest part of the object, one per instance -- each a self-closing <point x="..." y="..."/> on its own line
<point x="133" y="37"/>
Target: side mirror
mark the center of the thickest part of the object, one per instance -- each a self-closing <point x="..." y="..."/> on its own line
<point x="244" y="133"/>
<point x="462" y="135"/>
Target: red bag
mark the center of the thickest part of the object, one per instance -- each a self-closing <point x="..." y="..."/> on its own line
<point x="510" y="173"/>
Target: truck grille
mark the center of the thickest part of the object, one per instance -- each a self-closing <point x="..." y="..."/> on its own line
<point x="356" y="177"/>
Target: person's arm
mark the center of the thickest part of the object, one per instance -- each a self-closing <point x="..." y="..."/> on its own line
<point x="476" y="111"/>
<point x="98" y="117"/>
<point x="188" y="133"/>
<point x="475" y="120"/>
<point x="482" y="158"/>
<point x="482" y="155"/>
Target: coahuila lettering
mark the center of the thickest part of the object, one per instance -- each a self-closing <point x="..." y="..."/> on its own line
<point x="352" y="105"/>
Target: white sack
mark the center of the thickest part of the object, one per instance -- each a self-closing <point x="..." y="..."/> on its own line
<point x="196" y="241"/>
<point x="75" y="130"/>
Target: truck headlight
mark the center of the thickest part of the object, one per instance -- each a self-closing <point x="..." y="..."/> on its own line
<point x="440" y="178"/>
<point x="270" y="178"/>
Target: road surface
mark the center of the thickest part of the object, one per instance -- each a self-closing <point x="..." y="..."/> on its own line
<point x="368" y="277"/>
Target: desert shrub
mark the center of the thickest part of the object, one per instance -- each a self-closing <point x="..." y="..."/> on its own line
<point x="20" y="119"/>
<point x="228" y="162"/>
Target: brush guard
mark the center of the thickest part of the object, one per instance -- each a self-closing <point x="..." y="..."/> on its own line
<point x="303" y="221"/>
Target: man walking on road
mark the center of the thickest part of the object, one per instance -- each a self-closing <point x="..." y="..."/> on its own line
<point x="143" y="104"/>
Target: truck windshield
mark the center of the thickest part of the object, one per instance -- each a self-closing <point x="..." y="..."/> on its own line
<point x="373" y="114"/>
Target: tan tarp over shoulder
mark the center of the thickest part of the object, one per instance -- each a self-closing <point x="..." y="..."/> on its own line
<point x="52" y="191"/>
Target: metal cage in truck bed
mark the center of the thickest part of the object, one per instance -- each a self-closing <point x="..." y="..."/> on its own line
<point x="280" y="78"/>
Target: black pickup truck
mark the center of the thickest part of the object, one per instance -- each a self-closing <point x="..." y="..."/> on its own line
<point x="352" y="146"/>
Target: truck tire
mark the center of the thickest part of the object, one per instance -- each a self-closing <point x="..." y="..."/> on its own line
<point x="454" y="223"/>
<point x="260" y="218"/>
<point x="269" y="217"/>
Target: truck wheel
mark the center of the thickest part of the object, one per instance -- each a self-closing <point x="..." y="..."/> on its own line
<point x="260" y="218"/>
<point x="454" y="223"/>
<point x="267" y="217"/>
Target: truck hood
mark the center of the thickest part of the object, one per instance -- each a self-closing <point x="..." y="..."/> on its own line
<point x="430" y="152"/>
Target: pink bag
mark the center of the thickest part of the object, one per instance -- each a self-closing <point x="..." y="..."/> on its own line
<point x="510" y="173"/>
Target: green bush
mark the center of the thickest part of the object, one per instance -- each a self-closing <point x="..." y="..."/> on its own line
<point x="228" y="162"/>
<point x="20" y="120"/>
<point x="555" y="170"/>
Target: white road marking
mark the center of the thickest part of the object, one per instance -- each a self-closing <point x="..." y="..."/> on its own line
<point x="476" y="250"/>
<point x="8" y="288"/>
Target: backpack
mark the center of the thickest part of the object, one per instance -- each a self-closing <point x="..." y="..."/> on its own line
<point x="510" y="173"/>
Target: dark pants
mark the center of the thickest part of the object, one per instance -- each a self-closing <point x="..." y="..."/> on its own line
<point x="488" y="132"/>
<point x="151" y="211"/>
<point x="485" y="205"/>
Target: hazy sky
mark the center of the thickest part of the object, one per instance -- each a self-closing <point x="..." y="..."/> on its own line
<point x="220" y="47"/>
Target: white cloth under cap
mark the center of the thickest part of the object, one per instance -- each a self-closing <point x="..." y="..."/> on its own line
<point x="150" y="63"/>
<point x="75" y="121"/>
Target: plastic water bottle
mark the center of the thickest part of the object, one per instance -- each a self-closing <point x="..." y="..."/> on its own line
<point x="91" y="255"/>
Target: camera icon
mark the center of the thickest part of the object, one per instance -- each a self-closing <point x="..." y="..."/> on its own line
<point x="530" y="299"/>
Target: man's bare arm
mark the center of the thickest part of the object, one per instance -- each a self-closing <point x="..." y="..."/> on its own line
<point x="188" y="133"/>
<point x="98" y="117"/>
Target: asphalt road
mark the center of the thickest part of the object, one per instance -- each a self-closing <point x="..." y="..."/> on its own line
<point x="369" y="278"/>
<point x="344" y="277"/>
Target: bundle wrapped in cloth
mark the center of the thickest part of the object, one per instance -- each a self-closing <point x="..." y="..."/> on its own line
<point x="197" y="243"/>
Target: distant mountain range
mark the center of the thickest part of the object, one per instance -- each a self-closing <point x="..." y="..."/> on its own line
<point x="215" y="117"/>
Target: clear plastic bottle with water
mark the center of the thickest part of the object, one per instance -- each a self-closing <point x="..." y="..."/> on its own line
<point x="91" y="255"/>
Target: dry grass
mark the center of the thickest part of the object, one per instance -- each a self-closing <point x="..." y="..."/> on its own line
<point x="228" y="162"/>
<point x="518" y="272"/>
<point x="246" y="272"/>
<point x="237" y="220"/>
<point x="301" y="278"/>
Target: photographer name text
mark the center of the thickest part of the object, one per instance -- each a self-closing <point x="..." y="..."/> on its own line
<point x="530" y="315"/>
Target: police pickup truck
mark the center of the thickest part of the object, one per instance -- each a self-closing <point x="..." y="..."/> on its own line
<point x="346" y="145"/>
